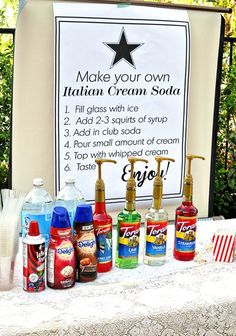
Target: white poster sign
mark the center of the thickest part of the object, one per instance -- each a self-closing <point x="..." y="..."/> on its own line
<point x="121" y="89"/>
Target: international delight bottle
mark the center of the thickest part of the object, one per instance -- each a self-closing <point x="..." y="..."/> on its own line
<point x="61" y="254"/>
<point x="85" y="244"/>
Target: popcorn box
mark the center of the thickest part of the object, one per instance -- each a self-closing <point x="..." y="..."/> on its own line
<point x="224" y="243"/>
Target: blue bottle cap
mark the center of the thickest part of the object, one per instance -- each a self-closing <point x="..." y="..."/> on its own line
<point x="84" y="213"/>
<point x="60" y="218"/>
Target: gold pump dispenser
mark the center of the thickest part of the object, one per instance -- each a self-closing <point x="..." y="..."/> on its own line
<point x="158" y="184"/>
<point x="131" y="185"/>
<point x="100" y="186"/>
<point x="188" y="181"/>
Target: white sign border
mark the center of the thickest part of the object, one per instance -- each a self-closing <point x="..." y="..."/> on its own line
<point x="124" y="20"/>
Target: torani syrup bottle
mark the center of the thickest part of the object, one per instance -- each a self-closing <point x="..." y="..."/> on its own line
<point x="156" y="223"/>
<point x="128" y="225"/>
<point x="102" y="223"/>
<point x="85" y="244"/>
<point x="186" y="219"/>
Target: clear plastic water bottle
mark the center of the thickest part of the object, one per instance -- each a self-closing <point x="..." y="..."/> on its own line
<point x="38" y="207"/>
<point x="69" y="197"/>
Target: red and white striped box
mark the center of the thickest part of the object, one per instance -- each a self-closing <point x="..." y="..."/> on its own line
<point x="224" y="243"/>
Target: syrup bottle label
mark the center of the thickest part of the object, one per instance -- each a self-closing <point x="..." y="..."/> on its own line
<point x="104" y="243"/>
<point x="156" y="238"/>
<point x="129" y="240"/>
<point x="185" y="234"/>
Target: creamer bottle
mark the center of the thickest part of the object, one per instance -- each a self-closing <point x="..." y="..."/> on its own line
<point x="85" y="244"/>
<point x="61" y="255"/>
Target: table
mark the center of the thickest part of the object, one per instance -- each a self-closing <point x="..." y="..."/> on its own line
<point x="178" y="298"/>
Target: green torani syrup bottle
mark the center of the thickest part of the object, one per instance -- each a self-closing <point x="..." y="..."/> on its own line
<point x="128" y="225"/>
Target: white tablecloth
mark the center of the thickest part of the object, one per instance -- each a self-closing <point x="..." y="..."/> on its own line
<point x="178" y="298"/>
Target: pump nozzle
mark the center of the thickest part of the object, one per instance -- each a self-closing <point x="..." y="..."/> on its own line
<point x="158" y="184"/>
<point x="188" y="181"/>
<point x="131" y="185"/>
<point x="100" y="186"/>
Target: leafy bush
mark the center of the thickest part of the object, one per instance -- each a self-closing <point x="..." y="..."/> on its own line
<point x="6" y="63"/>
<point x="225" y="178"/>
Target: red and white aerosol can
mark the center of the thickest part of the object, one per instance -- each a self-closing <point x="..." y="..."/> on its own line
<point x="33" y="259"/>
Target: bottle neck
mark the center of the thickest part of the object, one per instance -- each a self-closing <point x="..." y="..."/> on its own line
<point x="188" y="192"/>
<point x="187" y="200"/>
<point x="157" y="194"/>
<point x="130" y="206"/>
<point x="83" y="227"/>
<point x="130" y="195"/>
<point x="70" y="184"/>
<point x="100" y="207"/>
<point x="38" y="186"/>
<point x="58" y="233"/>
<point x="157" y="204"/>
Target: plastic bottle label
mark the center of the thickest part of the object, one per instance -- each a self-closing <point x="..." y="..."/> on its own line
<point x="185" y="234"/>
<point x="129" y="240"/>
<point x="44" y="221"/>
<point x="50" y="265"/>
<point x="85" y="248"/>
<point x="156" y="238"/>
<point x="104" y="243"/>
<point x="61" y="264"/>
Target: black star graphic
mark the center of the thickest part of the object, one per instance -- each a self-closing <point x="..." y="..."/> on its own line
<point x="123" y="50"/>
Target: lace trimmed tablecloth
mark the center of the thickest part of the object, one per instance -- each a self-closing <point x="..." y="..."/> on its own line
<point x="178" y="298"/>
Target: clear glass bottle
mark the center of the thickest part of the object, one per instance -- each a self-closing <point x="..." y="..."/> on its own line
<point x="156" y="223"/>
<point x="69" y="197"/>
<point x="186" y="219"/>
<point x="128" y="225"/>
<point x="102" y="223"/>
<point x="38" y="207"/>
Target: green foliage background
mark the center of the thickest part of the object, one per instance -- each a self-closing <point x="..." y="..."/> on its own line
<point x="8" y="9"/>
<point x="225" y="178"/>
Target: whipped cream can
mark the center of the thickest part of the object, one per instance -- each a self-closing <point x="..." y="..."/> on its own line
<point x="33" y="260"/>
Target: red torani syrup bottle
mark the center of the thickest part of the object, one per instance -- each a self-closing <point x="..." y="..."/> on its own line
<point x="186" y="219"/>
<point x="102" y="223"/>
